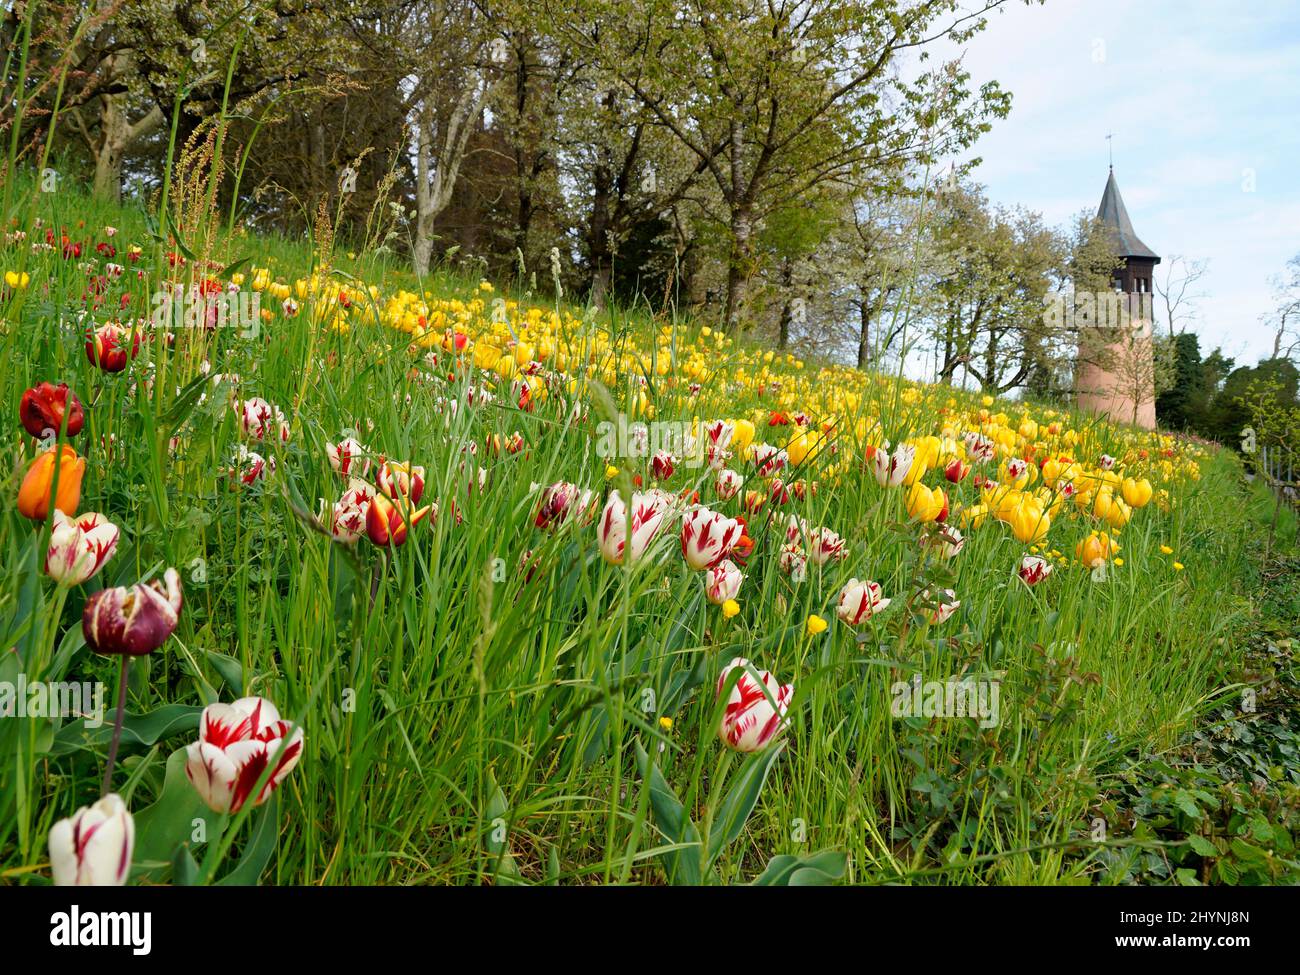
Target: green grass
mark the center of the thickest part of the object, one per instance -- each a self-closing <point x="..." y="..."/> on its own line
<point x="467" y="724"/>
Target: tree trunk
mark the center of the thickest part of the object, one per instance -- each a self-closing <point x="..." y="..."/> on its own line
<point x="787" y="307"/>
<point x="864" y="329"/>
<point x="436" y="168"/>
<point x="742" y="232"/>
<point x="116" y="135"/>
<point x="598" y="244"/>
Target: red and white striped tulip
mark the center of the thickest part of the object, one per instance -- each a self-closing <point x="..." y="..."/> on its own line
<point x="662" y="465"/>
<point x="722" y="582"/>
<point x="92" y="847"/>
<point x="348" y="517"/>
<point x="261" y="420"/>
<point x="794" y="562"/>
<point x="707" y="537"/>
<point x="860" y="601"/>
<point x="756" y="709"/>
<point x="349" y="458"/>
<point x="892" y="469"/>
<point x="945" y="604"/>
<point x="728" y="484"/>
<point x="648" y="512"/>
<point x="79" y="547"/>
<point x="947" y="540"/>
<point x="560" y="502"/>
<point x="1034" y="569"/>
<point x="236" y="744"/>
<point x="825" y="546"/>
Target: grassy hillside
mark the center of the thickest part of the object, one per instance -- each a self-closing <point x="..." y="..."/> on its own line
<point x="493" y="700"/>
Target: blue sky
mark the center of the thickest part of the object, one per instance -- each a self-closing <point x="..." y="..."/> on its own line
<point x="1203" y="100"/>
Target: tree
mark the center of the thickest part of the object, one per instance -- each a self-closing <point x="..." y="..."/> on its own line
<point x="774" y="99"/>
<point x="1285" y="319"/>
<point x="994" y="267"/>
<point x="1178" y="288"/>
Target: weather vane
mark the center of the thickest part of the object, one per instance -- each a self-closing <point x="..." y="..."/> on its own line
<point x="1110" y="149"/>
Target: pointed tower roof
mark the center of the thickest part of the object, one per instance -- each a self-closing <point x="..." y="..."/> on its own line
<point x="1113" y="214"/>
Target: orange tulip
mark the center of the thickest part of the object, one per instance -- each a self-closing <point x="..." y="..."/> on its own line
<point x="38" y="485"/>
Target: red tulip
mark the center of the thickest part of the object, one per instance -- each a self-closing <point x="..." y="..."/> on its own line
<point x="105" y="347"/>
<point x="43" y="408"/>
<point x="133" y="620"/>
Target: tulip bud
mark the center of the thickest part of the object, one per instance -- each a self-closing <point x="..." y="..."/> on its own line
<point x="349" y="458"/>
<point x="824" y="546"/>
<point x="133" y="620"/>
<point x="401" y="482"/>
<point x="1034" y="569"/>
<point x="648" y="513"/>
<point x="38" y="485"/>
<point x="860" y="601"/>
<point x="728" y="484"/>
<point x="956" y="471"/>
<point x="236" y="743"/>
<point x="385" y="523"/>
<point x="893" y="469"/>
<point x="756" y="709"/>
<point x="708" y="537"/>
<point x="43" y="408"/>
<point x="722" y="582"/>
<point x="92" y="848"/>
<point x="105" y="347"/>
<point x="79" y="547"/>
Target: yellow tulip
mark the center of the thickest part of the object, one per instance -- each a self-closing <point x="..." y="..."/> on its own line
<point x="1137" y="492"/>
<point x="924" y="504"/>
<point x="1097" y="549"/>
<point x="742" y="434"/>
<point x="1029" y="522"/>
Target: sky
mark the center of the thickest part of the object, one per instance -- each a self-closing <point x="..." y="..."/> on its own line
<point x="1203" y="102"/>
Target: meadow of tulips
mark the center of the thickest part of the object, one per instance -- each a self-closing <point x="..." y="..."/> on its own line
<point x="433" y="583"/>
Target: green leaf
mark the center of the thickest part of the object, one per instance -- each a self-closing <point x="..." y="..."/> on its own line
<point x="683" y="865"/>
<point x="171" y="822"/>
<point x="260" y="847"/>
<point x="739" y="802"/>
<point x="137" y="729"/>
<point x="504" y="869"/>
<point x="813" y="869"/>
<point x="182" y="406"/>
<point x="1202" y="847"/>
<point x="185" y="871"/>
<point x="230" y="670"/>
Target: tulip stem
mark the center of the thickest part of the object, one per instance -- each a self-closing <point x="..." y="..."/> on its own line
<point x="117" y="725"/>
